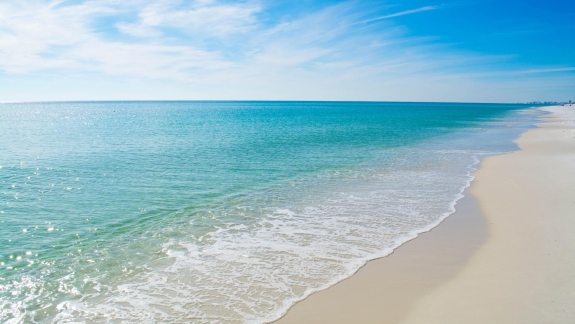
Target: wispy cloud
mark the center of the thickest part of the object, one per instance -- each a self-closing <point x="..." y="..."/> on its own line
<point x="401" y="13"/>
<point x="183" y="41"/>
<point x="550" y="70"/>
<point x="38" y="35"/>
<point x="207" y="17"/>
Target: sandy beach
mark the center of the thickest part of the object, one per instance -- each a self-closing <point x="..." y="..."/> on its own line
<point x="511" y="263"/>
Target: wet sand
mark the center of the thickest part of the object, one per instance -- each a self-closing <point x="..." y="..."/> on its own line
<point x="507" y="255"/>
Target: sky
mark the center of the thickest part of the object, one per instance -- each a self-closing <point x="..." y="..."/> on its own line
<point x="410" y="50"/>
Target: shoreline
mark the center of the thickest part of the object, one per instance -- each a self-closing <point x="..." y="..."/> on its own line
<point x="524" y="272"/>
<point x="389" y="285"/>
<point x="471" y="214"/>
<point x="402" y="286"/>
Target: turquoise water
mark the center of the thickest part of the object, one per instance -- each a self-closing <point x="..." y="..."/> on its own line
<point x="220" y="211"/>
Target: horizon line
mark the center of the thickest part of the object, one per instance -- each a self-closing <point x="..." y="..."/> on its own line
<point x="276" y="100"/>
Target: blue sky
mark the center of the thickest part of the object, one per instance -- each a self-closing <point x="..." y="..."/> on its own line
<point x="413" y="50"/>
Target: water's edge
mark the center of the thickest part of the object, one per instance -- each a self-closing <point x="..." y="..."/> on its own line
<point x="415" y="234"/>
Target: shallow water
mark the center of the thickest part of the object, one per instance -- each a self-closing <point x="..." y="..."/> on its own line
<point x="220" y="211"/>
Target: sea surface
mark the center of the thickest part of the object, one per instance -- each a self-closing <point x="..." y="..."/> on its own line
<point x="211" y="212"/>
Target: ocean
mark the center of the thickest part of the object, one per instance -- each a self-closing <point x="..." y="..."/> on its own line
<point x="221" y="211"/>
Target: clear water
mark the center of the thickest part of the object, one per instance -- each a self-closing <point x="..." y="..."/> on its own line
<point x="220" y="211"/>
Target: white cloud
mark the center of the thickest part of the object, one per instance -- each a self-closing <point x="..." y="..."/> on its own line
<point x="206" y="17"/>
<point x="37" y="35"/>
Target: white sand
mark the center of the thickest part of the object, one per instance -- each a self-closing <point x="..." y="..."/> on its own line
<point x="525" y="272"/>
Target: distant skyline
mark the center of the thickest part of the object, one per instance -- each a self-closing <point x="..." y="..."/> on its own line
<point x="466" y="51"/>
